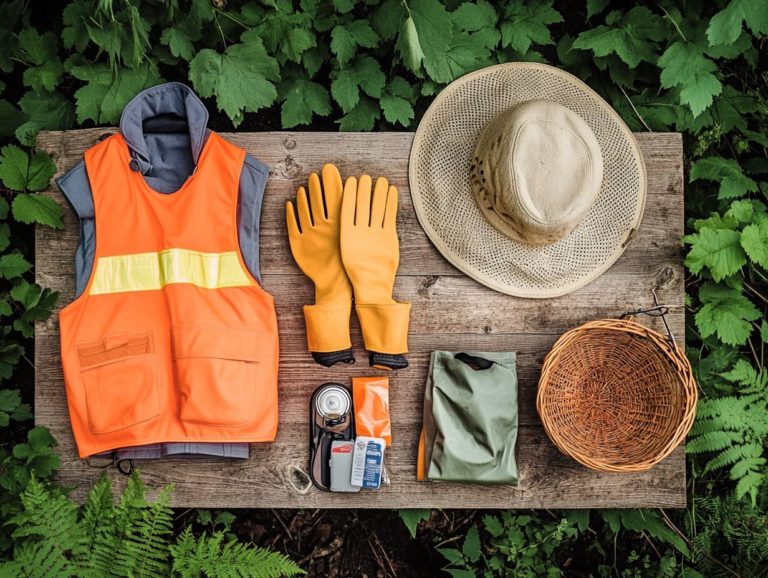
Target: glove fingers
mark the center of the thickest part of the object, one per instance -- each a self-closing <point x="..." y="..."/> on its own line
<point x="348" y="202"/>
<point x="316" y="198"/>
<point x="390" y="215"/>
<point x="290" y="220"/>
<point x="379" y="203"/>
<point x="363" y="207"/>
<point x="305" y="216"/>
<point x="332" y="190"/>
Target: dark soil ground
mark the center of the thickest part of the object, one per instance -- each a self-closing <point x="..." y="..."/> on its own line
<point x="351" y="543"/>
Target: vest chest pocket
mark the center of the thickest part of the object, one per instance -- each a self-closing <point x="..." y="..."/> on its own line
<point x="119" y="377"/>
<point x="217" y="372"/>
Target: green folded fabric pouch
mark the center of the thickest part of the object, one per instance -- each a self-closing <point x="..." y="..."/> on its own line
<point x="470" y="418"/>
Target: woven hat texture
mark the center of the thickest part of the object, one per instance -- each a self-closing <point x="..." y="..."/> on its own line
<point x="439" y="175"/>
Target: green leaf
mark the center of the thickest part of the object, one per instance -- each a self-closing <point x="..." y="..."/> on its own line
<point x="725" y="27"/>
<point x="44" y="69"/>
<point x="343" y="6"/>
<point x="344" y="89"/>
<point x="526" y="23"/>
<point x="396" y="110"/>
<point x="493" y="525"/>
<point x="744" y="210"/>
<point x="14" y="167"/>
<point x="471" y="547"/>
<point x="297" y="41"/>
<point x="632" y="37"/>
<point x="41" y="169"/>
<point x="726" y="312"/>
<point x="37" y="303"/>
<point x="426" y="37"/>
<point x="44" y="111"/>
<point x="717" y="249"/>
<point x="595" y="7"/>
<point x="733" y="182"/>
<point x="684" y="65"/>
<point x="361" y="118"/>
<point x="34" y="208"/>
<point x="473" y="17"/>
<point x="754" y="240"/>
<point x="40" y="438"/>
<point x="408" y="45"/>
<point x="460" y="573"/>
<point x="13" y="265"/>
<point x="453" y="555"/>
<point x="20" y="172"/>
<point x="303" y="99"/>
<point x="10" y="399"/>
<point x="10" y="118"/>
<point x="579" y="518"/>
<point x="411" y="519"/>
<point x="764" y="331"/>
<point x="345" y="39"/>
<point x="178" y="42"/>
<point x="364" y="74"/>
<point x="241" y="78"/>
<point x="387" y="18"/>
<point x="107" y="91"/>
<point x="650" y="522"/>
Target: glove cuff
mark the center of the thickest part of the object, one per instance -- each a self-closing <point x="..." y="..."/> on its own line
<point x="331" y="358"/>
<point x="328" y="327"/>
<point x="385" y="327"/>
<point x="387" y="361"/>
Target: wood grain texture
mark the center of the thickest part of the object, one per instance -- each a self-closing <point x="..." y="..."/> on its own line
<point x="450" y="311"/>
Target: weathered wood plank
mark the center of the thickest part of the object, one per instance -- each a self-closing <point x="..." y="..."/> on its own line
<point x="450" y="311"/>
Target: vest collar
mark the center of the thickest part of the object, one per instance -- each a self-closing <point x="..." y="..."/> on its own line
<point x="171" y="98"/>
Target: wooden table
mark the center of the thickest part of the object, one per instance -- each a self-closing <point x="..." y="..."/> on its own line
<point x="450" y="311"/>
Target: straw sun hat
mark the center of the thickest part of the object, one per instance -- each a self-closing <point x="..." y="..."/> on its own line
<point x="526" y="180"/>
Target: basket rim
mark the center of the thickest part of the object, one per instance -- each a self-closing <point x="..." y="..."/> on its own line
<point x="670" y="351"/>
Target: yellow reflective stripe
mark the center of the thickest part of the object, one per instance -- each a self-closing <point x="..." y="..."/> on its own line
<point x="151" y="271"/>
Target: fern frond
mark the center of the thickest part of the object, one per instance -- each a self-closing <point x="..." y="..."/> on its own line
<point x="212" y="557"/>
<point x="745" y="466"/>
<point x="148" y="542"/>
<point x="46" y="532"/>
<point x="750" y="485"/>
<point x="96" y="514"/>
<point x="713" y="441"/>
<point x="726" y="409"/>
<point x="729" y="456"/>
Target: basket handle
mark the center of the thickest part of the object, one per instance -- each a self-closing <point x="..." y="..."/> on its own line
<point x="655" y="311"/>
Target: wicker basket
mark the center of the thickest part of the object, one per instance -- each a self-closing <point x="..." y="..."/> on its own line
<point x="616" y="396"/>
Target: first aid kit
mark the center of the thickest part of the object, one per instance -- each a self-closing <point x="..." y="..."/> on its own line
<point x="341" y="459"/>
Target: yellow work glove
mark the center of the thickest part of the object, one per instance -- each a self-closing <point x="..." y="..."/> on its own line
<point x="315" y="246"/>
<point x="370" y="251"/>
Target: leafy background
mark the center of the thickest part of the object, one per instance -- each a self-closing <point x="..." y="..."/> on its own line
<point x="692" y="66"/>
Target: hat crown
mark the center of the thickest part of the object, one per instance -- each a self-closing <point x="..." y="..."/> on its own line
<point x="537" y="171"/>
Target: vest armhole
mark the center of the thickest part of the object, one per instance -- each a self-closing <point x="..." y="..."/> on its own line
<point x="76" y="188"/>
<point x="250" y="196"/>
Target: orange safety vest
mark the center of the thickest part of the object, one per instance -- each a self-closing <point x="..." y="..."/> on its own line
<point x="173" y="339"/>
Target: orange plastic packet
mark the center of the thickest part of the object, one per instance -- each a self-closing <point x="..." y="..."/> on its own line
<point x="371" y="399"/>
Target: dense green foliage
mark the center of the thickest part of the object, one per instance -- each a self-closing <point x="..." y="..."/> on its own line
<point x="693" y="66"/>
<point x="54" y="537"/>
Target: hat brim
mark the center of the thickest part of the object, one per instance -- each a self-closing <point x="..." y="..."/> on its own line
<point x="445" y="206"/>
